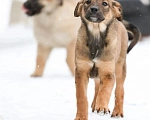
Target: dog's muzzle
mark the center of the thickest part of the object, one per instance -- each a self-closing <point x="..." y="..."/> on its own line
<point x="32" y="7"/>
<point x="94" y="14"/>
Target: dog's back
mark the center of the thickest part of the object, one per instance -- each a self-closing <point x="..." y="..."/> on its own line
<point x="57" y="28"/>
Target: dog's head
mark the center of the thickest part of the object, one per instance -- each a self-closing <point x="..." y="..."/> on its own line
<point x="33" y="7"/>
<point x="97" y="11"/>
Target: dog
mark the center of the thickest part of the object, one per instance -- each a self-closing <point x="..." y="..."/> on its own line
<point x="54" y="26"/>
<point x="100" y="53"/>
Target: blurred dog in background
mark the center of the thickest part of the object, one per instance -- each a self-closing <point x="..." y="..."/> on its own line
<point x="54" y="26"/>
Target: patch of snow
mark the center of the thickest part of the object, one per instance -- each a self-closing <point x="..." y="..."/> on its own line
<point x="52" y="97"/>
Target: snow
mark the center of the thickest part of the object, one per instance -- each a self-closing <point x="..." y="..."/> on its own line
<point x="4" y="12"/>
<point x="52" y="97"/>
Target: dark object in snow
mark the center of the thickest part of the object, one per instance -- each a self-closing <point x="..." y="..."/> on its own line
<point x="137" y="13"/>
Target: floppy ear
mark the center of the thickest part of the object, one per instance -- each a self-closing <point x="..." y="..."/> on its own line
<point x="118" y="10"/>
<point x="77" y="11"/>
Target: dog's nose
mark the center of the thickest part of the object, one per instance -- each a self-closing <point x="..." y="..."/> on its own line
<point x="94" y="9"/>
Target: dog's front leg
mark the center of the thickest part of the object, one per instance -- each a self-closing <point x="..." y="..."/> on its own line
<point x="81" y="80"/>
<point x="42" y="56"/>
<point x="106" y="73"/>
<point x="97" y="82"/>
<point x="119" y="91"/>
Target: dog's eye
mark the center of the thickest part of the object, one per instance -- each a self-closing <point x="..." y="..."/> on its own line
<point x="88" y="2"/>
<point x="105" y="4"/>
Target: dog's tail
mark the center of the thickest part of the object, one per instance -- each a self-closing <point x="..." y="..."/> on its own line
<point x="133" y="33"/>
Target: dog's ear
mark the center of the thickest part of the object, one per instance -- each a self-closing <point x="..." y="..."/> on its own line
<point x="117" y="10"/>
<point x="77" y="11"/>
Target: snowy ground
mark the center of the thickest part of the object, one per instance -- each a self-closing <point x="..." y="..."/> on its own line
<point x="52" y="97"/>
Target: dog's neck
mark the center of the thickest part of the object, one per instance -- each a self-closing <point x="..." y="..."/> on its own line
<point x="97" y="28"/>
<point x="96" y="33"/>
<point x="96" y="40"/>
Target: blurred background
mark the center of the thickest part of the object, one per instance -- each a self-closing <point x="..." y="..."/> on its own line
<point x="14" y="22"/>
<point x="138" y="13"/>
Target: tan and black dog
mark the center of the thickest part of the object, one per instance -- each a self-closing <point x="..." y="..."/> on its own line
<point x="54" y="26"/>
<point x="100" y="53"/>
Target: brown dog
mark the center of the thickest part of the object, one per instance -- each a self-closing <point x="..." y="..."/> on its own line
<point x="52" y="21"/>
<point x="100" y="53"/>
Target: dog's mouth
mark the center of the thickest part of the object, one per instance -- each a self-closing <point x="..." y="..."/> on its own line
<point x="96" y="18"/>
<point x="31" y="9"/>
<point x="27" y="11"/>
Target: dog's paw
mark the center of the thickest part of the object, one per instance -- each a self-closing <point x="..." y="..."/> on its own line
<point x="100" y="109"/>
<point x="36" y="75"/>
<point x="117" y="113"/>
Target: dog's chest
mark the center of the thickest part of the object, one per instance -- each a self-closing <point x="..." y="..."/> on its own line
<point x="96" y="40"/>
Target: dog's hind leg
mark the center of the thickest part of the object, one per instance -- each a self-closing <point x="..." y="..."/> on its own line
<point x="42" y="56"/>
<point x="71" y="57"/>
<point x="119" y="91"/>
<point x="81" y="81"/>
<point x="97" y="82"/>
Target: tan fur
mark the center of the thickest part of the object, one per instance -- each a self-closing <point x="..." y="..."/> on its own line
<point x="55" y="27"/>
<point x="111" y="64"/>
